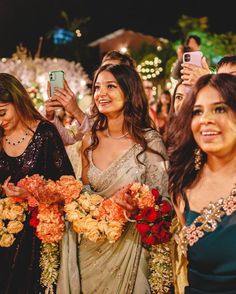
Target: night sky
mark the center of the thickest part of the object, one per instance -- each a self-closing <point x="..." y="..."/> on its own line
<point x="26" y="20"/>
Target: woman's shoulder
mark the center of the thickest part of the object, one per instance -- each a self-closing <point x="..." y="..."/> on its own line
<point x="46" y="127"/>
<point x="152" y="134"/>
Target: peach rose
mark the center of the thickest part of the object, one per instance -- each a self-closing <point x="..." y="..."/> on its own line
<point x="79" y="226"/>
<point x="14" y="227"/>
<point x="6" y="240"/>
<point x="93" y="235"/>
<point x="114" y="231"/>
<point x="1" y="225"/>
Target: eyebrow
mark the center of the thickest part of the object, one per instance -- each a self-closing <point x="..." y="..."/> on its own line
<point x="2" y="104"/>
<point x="107" y="82"/>
<point x="215" y="103"/>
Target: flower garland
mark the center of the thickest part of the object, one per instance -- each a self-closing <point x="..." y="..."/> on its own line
<point x="153" y="221"/>
<point x="96" y="218"/>
<point x="12" y="216"/>
<point x="99" y="219"/>
<point x="47" y="217"/>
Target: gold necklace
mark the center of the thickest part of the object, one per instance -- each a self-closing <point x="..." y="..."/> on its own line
<point x="116" y="138"/>
<point x="18" y="141"/>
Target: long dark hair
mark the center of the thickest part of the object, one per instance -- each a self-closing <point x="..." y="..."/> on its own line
<point x="136" y="116"/>
<point x="181" y="142"/>
<point x="12" y="91"/>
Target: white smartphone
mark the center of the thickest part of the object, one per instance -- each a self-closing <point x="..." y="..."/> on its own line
<point x="56" y="79"/>
<point x="194" y="57"/>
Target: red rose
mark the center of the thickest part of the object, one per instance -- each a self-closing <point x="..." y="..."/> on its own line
<point x="149" y="214"/>
<point x="143" y="228"/>
<point x="34" y="221"/>
<point x="165" y="207"/>
<point x="161" y="231"/>
<point x="156" y="194"/>
<point x="149" y="240"/>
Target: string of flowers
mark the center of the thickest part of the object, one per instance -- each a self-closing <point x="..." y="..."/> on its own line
<point x="153" y="221"/>
<point x="47" y="217"/>
<point x="12" y="216"/>
<point x="99" y="219"/>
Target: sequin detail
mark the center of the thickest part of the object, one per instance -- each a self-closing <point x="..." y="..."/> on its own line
<point x="207" y="221"/>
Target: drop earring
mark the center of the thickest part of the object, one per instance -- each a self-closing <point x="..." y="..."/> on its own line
<point x="197" y="159"/>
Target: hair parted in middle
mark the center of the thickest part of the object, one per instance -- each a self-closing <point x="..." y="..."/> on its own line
<point x="136" y="116"/>
<point x="181" y="144"/>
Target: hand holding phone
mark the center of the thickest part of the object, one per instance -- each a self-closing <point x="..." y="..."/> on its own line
<point x="193" y="57"/>
<point x="56" y="79"/>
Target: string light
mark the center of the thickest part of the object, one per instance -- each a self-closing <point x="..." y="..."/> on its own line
<point x="150" y="69"/>
<point x="123" y="50"/>
<point x="78" y="33"/>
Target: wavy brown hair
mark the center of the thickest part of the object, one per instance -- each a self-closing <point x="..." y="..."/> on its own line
<point x="12" y="91"/>
<point x="181" y="142"/>
<point x="136" y="116"/>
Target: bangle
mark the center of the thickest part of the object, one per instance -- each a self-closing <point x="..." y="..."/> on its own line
<point x="127" y="218"/>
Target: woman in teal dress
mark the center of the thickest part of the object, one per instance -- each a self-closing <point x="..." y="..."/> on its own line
<point x="202" y="180"/>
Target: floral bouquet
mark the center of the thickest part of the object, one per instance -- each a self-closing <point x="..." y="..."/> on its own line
<point x="153" y="220"/>
<point x="46" y="202"/>
<point x="12" y="216"/>
<point x="153" y="217"/>
<point x="97" y="219"/>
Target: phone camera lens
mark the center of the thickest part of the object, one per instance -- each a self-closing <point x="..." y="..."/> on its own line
<point x="187" y="57"/>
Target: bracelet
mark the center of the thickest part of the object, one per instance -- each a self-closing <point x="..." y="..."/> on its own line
<point x="127" y="218"/>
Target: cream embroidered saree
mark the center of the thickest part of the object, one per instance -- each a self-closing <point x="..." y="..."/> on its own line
<point x="120" y="267"/>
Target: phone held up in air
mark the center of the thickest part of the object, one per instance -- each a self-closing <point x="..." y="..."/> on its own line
<point x="193" y="57"/>
<point x="56" y="79"/>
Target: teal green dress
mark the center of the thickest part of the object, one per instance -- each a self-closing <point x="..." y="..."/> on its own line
<point x="212" y="254"/>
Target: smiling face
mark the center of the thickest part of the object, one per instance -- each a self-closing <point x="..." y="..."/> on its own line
<point x="108" y="96"/>
<point x="213" y="124"/>
<point x="9" y="118"/>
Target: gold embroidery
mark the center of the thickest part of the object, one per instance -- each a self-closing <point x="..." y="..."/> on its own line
<point x="207" y="221"/>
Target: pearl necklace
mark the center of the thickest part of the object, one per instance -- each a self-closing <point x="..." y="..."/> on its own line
<point x="18" y="141"/>
<point x="116" y="138"/>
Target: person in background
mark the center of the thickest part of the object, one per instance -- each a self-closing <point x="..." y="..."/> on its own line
<point x="69" y="101"/>
<point x="202" y="178"/>
<point x="227" y="64"/>
<point x="121" y="148"/>
<point x="192" y="43"/>
<point x="148" y="88"/>
<point x="191" y="73"/>
<point x="116" y="57"/>
<point x="178" y="97"/>
<point x="28" y="145"/>
<point x="163" y="108"/>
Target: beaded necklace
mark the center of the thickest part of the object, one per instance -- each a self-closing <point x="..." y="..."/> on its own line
<point x="18" y="141"/>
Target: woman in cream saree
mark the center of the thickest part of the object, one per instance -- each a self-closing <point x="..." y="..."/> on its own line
<point x="120" y="267"/>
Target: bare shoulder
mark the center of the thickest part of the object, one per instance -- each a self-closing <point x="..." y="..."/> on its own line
<point x="86" y="140"/>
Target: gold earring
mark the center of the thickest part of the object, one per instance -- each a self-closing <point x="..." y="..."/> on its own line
<point x="197" y="159"/>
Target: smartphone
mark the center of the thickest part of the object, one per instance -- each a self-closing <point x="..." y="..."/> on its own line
<point x="56" y="79"/>
<point x="194" y="57"/>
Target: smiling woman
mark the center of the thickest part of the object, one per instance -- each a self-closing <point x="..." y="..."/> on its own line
<point x="202" y="183"/>
<point x="122" y="148"/>
<point x="29" y="145"/>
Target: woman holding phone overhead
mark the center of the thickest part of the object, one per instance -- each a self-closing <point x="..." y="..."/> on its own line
<point x="29" y="145"/>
